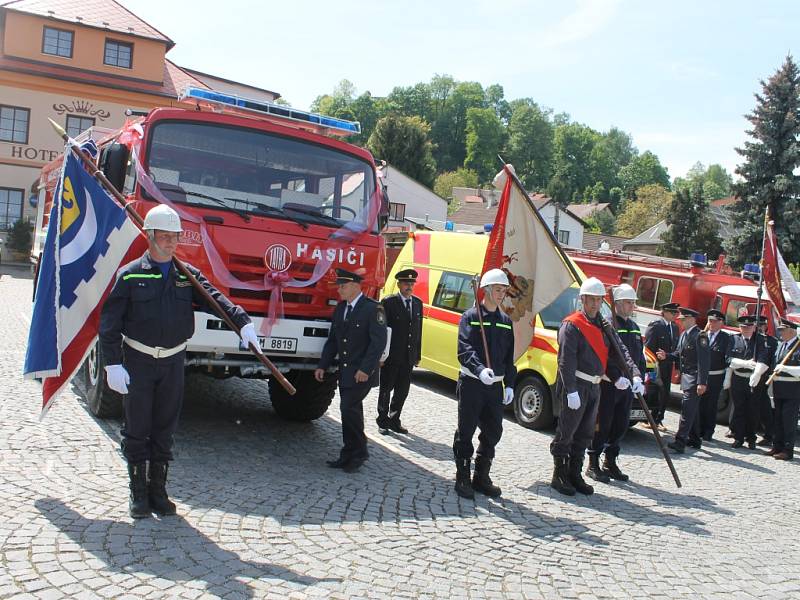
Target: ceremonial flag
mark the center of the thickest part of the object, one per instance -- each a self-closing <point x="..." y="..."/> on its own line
<point x="89" y="237"/>
<point x="770" y="273"/>
<point x="787" y="279"/>
<point x="522" y="245"/>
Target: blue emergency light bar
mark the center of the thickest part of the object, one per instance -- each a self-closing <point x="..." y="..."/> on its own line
<point x="267" y="108"/>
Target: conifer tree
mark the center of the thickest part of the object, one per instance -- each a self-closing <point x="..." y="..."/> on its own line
<point x="771" y="160"/>
<point x="692" y="228"/>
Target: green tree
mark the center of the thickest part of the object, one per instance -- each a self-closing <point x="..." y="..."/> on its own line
<point x="485" y="138"/>
<point x="572" y="150"/>
<point x="691" y="228"/>
<point x="20" y="236"/>
<point x="495" y="99"/>
<point x="449" y="130"/>
<point x="770" y="170"/>
<point x="403" y="143"/>
<point x="715" y="181"/>
<point x="530" y="143"/>
<point x="602" y="222"/>
<point x="448" y="180"/>
<point x="650" y="206"/>
<point x="643" y="170"/>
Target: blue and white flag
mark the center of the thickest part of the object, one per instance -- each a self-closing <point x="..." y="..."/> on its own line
<point x="89" y="237"/>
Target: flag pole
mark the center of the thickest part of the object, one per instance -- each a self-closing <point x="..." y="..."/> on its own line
<point x="760" y="290"/>
<point x="109" y="187"/>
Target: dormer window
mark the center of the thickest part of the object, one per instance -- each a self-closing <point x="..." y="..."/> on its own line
<point x="57" y="42"/>
<point x="118" y="54"/>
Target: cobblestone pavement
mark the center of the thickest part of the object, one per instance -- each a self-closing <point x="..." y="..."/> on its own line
<point x="261" y="516"/>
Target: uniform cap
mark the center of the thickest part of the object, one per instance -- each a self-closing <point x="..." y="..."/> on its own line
<point x="688" y="312"/>
<point x="784" y="323"/>
<point x="409" y="275"/>
<point x="747" y="320"/>
<point x="163" y="218"/>
<point x="592" y="287"/>
<point x="715" y="314"/>
<point x="494" y="277"/>
<point x="624" y="292"/>
<point x="670" y="307"/>
<point x="345" y="276"/>
<point x="763" y="320"/>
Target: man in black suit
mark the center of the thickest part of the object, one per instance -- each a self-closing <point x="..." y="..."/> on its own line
<point x="404" y="316"/>
<point x="662" y="334"/>
<point x="718" y="342"/>
<point x="357" y="336"/>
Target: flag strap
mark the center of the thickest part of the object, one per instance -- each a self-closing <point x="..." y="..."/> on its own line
<point x="179" y="264"/>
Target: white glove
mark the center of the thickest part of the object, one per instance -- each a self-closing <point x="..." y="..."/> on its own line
<point x="248" y="335"/>
<point x="623" y="383"/>
<point x="726" y="384"/>
<point x="778" y="369"/>
<point x="760" y="369"/>
<point x="638" y="386"/>
<point x="486" y="376"/>
<point x="508" y="397"/>
<point x="117" y="378"/>
<point x="573" y="400"/>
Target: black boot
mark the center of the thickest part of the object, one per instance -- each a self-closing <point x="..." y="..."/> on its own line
<point x="481" y="482"/>
<point x="575" y="477"/>
<point x="594" y="471"/>
<point x="463" y="483"/>
<point x="157" y="490"/>
<point x="560" y="481"/>
<point x="611" y="468"/>
<point x="138" y="506"/>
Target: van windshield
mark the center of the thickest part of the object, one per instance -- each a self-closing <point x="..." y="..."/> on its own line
<point x="566" y="303"/>
<point x="254" y="172"/>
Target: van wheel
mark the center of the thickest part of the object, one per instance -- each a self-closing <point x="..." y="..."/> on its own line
<point x="311" y="400"/>
<point x="101" y="400"/>
<point x="724" y="406"/>
<point x="533" y="406"/>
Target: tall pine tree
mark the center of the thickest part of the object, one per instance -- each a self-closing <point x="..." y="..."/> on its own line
<point x="768" y="171"/>
<point x="692" y="228"/>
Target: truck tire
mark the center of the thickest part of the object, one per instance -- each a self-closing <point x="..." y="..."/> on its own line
<point x="533" y="406"/>
<point x="311" y="400"/>
<point x="724" y="406"/>
<point x="102" y="401"/>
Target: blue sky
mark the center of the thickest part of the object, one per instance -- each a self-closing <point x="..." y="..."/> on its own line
<point x="679" y="75"/>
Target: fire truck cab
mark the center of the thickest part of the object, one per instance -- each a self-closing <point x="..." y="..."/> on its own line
<point x="266" y="193"/>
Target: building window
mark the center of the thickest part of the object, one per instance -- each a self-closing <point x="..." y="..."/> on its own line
<point x="397" y="211"/>
<point x="57" y="42"/>
<point x="10" y="206"/>
<point x="77" y="125"/>
<point x="118" y="54"/>
<point x="14" y="124"/>
<point x="454" y="292"/>
<point x="563" y="237"/>
<point x="652" y="292"/>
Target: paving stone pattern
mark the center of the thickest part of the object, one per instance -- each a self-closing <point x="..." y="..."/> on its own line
<point x="261" y="516"/>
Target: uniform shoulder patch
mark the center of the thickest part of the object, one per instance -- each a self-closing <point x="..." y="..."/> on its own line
<point x="380" y="315"/>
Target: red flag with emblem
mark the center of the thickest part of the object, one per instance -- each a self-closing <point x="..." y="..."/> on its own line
<point x="770" y="270"/>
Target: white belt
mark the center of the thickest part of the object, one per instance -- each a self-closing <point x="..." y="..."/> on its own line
<point x="742" y="373"/>
<point x="590" y="378"/>
<point x="155" y="352"/>
<point x="720" y="372"/>
<point x="468" y="373"/>
<point x="788" y="378"/>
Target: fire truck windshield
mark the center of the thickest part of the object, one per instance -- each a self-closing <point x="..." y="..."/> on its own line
<point x="253" y="172"/>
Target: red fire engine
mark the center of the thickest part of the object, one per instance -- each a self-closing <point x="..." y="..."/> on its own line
<point x="265" y="195"/>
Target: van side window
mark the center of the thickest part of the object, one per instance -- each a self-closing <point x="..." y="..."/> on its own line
<point x="652" y="292"/>
<point x="454" y="292"/>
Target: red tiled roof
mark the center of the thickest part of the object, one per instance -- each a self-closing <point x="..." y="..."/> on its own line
<point x="474" y="214"/>
<point x="474" y="199"/>
<point x="584" y="211"/>
<point x="102" y="14"/>
<point x="176" y="79"/>
<point x="725" y="201"/>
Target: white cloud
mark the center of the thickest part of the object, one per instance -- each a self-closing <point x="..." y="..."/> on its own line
<point x="589" y="17"/>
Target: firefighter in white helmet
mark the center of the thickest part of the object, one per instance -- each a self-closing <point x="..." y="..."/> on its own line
<point x="616" y="397"/>
<point x="583" y="360"/>
<point x="144" y="326"/>
<point x="485" y="384"/>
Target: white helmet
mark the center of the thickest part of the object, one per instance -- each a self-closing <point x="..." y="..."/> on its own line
<point x="494" y="277"/>
<point x="624" y="292"/>
<point x="592" y="287"/>
<point x="163" y="218"/>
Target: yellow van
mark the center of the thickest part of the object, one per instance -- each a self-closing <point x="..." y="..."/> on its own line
<point x="446" y="263"/>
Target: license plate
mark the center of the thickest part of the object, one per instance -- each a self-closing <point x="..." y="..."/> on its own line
<point x="638" y="415"/>
<point x="278" y="344"/>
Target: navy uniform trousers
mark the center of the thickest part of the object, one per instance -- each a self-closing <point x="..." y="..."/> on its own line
<point x="481" y="406"/>
<point x="577" y="425"/>
<point x="613" y="419"/>
<point x="744" y="419"/>
<point x="152" y="405"/>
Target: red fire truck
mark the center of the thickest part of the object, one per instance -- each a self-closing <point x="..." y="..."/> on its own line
<point x="266" y="194"/>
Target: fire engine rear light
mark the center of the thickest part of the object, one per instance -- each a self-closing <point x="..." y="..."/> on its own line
<point x="274" y="110"/>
